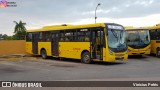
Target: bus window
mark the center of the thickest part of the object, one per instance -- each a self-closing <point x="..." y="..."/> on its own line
<point x="47" y="36"/>
<point x="68" y="36"/>
<point x="40" y="36"/>
<point x="158" y="34"/>
<point x="61" y="36"/>
<point x="29" y="37"/>
<point x="153" y="34"/>
<point x="83" y="35"/>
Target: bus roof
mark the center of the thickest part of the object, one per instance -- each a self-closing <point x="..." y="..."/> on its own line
<point x="155" y="27"/>
<point x="137" y="28"/>
<point x="128" y="27"/>
<point x="65" y="27"/>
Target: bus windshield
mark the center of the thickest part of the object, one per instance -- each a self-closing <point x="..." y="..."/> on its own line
<point x="117" y="40"/>
<point x="138" y="38"/>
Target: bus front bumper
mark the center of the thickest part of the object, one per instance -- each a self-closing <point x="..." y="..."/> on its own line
<point x="138" y="52"/>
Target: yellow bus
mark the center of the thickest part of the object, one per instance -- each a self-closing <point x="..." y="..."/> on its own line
<point x="155" y="40"/>
<point x="138" y="40"/>
<point x="91" y="42"/>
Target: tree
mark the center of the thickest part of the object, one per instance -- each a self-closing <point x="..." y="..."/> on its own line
<point x="1" y="37"/>
<point x="5" y="37"/>
<point x="19" y="30"/>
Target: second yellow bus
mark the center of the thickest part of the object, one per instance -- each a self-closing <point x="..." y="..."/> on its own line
<point x="138" y="40"/>
<point x="155" y="40"/>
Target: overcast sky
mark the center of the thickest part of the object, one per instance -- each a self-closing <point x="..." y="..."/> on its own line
<point x="38" y="13"/>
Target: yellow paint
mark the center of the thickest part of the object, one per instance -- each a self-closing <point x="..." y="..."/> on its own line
<point x="112" y="57"/>
<point x="60" y="27"/>
<point x="73" y="49"/>
<point x="132" y="51"/>
<point x="12" y="47"/>
<point x="146" y="50"/>
<point x="29" y="47"/>
<point x="154" y="45"/>
<point x="46" y="46"/>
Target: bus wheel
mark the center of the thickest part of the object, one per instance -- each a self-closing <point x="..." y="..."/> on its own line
<point x="86" y="58"/>
<point x="158" y="52"/>
<point x="43" y="54"/>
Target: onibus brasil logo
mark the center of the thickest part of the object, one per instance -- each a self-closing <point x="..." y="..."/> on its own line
<point x="4" y="3"/>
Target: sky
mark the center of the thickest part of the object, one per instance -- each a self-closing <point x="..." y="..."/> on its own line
<point x="39" y="13"/>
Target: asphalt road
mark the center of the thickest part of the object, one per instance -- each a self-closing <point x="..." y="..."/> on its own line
<point x="144" y="68"/>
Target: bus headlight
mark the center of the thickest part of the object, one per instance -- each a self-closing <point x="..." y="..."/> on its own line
<point x="148" y="48"/>
<point x="111" y="52"/>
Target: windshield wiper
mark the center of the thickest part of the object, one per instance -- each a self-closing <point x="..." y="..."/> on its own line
<point x="121" y="43"/>
<point x="140" y="40"/>
<point x="114" y="34"/>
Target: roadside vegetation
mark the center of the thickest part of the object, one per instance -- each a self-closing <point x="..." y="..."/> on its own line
<point x="19" y="32"/>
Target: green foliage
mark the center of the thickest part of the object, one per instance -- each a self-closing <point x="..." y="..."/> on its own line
<point x="19" y="35"/>
<point x="3" y="36"/>
<point x="19" y="30"/>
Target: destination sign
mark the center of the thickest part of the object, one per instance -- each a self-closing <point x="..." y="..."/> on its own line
<point x="115" y="27"/>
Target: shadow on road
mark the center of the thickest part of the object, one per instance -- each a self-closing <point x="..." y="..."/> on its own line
<point x="109" y="63"/>
<point x="140" y="58"/>
<point x="79" y="61"/>
<point x="137" y="57"/>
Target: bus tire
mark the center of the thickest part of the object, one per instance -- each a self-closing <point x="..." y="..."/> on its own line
<point x="86" y="58"/>
<point x="158" y="52"/>
<point x="43" y="54"/>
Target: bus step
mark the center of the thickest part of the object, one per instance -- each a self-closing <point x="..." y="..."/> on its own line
<point x="55" y="56"/>
<point x="98" y="57"/>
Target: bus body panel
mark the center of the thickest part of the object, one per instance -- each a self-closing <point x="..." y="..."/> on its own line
<point x="153" y="46"/>
<point x="46" y="46"/>
<point x="107" y="57"/>
<point x="29" y="47"/>
<point x="146" y="50"/>
<point x="155" y="38"/>
<point x="158" y="43"/>
<point x="73" y="49"/>
<point x="123" y="56"/>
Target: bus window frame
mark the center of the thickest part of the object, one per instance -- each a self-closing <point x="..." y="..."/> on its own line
<point x="153" y="36"/>
<point x="29" y="39"/>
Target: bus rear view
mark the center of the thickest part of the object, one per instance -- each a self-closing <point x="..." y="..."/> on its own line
<point x="138" y="40"/>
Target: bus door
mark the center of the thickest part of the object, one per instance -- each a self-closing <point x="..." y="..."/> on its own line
<point x="54" y="44"/>
<point x="97" y="44"/>
<point x="35" y="43"/>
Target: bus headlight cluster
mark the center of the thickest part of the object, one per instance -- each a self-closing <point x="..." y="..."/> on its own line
<point x="149" y="49"/>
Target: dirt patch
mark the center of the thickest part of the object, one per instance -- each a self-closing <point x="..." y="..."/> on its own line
<point x="17" y="57"/>
<point x="10" y="70"/>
